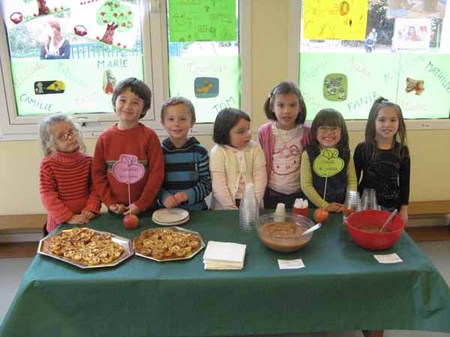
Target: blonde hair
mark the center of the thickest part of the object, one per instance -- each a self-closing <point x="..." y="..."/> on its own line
<point x="48" y="140"/>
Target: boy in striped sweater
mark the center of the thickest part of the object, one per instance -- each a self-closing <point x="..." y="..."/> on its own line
<point x="187" y="181"/>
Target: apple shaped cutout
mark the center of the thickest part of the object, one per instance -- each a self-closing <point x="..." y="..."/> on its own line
<point x="130" y="221"/>
<point x="80" y="30"/>
<point x="16" y="17"/>
<point x="328" y="163"/>
<point x="127" y="169"/>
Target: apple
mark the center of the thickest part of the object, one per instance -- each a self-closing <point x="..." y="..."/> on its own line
<point x="16" y="17"/>
<point x="320" y="215"/>
<point x="130" y="221"/>
<point x="80" y="30"/>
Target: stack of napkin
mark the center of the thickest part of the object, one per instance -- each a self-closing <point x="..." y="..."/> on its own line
<point x="224" y="256"/>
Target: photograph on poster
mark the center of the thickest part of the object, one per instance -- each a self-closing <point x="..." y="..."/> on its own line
<point x="416" y="9"/>
<point x="411" y="34"/>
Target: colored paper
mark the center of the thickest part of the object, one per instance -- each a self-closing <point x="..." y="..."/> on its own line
<point x="331" y="19"/>
<point x="202" y="20"/>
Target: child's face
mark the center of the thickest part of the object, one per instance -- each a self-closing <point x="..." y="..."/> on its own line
<point x="328" y="136"/>
<point x="177" y="121"/>
<point x="129" y="107"/>
<point x="286" y="108"/>
<point x="386" y="124"/>
<point x="240" y="134"/>
<point x="66" y="137"/>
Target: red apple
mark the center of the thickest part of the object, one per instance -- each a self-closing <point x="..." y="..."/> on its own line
<point x="16" y="17"/>
<point x="130" y="221"/>
<point x="320" y="215"/>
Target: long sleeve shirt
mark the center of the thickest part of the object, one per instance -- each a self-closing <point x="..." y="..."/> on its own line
<point x="187" y="170"/>
<point x="136" y="152"/>
<point x="227" y="169"/>
<point x="66" y="188"/>
<point x="387" y="173"/>
<point x="308" y="188"/>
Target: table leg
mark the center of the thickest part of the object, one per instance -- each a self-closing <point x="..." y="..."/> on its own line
<point x="373" y="333"/>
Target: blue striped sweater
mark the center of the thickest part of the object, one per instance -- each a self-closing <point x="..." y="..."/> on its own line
<point x="186" y="170"/>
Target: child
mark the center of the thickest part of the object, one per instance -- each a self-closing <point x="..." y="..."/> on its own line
<point x="128" y="156"/>
<point x="327" y="162"/>
<point x="187" y="181"/>
<point x="383" y="158"/>
<point x="235" y="160"/>
<point x="65" y="174"/>
<point x="283" y="140"/>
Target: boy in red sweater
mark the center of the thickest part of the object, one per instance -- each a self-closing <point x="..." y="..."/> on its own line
<point x="128" y="165"/>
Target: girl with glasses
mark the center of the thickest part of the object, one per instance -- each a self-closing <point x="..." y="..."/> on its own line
<point x="65" y="183"/>
<point x="327" y="168"/>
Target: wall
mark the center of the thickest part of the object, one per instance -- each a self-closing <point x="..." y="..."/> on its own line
<point x="19" y="160"/>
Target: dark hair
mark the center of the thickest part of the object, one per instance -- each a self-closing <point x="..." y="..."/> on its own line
<point x="330" y="117"/>
<point x="399" y="141"/>
<point x="226" y="119"/>
<point x="284" y="88"/>
<point x="177" y="101"/>
<point x="138" y="88"/>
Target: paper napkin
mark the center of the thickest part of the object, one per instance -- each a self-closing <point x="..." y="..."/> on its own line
<point x="224" y="256"/>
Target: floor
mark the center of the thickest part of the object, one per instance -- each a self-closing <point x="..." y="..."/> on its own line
<point x="12" y="270"/>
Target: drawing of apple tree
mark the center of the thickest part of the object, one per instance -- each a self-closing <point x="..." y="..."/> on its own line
<point x="43" y="9"/>
<point x="115" y="15"/>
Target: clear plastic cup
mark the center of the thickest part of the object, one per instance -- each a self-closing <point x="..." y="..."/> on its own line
<point x="369" y="199"/>
<point x="352" y="204"/>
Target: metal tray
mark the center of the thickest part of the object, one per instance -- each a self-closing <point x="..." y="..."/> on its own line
<point x="175" y="229"/>
<point x="125" y="243"/>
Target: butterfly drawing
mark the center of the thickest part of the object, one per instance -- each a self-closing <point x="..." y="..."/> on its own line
<point x="414" y="85"/>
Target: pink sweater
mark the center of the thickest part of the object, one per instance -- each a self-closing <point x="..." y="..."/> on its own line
<point x="66" y="188"/>
<point x="267" y="141"/>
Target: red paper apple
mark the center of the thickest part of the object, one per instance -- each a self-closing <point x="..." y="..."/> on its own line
<point x="320" y="215"/>
<point x="16" y="17"/>
<point x="80" y="30"/>
<point x="130" y="221"/>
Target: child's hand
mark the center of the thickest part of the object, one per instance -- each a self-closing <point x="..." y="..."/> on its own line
<point x="88" y="215"/>
<point x="117" y="208"/>
<point x="181" y="197"/>
<point x="171" y="201"/>
<point x="335" y="207"/>
<point x="78" y="219"/>
<point x="132" y="209"/>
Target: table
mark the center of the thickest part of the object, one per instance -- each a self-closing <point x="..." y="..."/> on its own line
<point x="341" y="288"/>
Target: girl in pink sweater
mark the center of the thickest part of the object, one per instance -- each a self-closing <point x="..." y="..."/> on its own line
<point x="283" y="139"/>
<point x="65" y="181"/>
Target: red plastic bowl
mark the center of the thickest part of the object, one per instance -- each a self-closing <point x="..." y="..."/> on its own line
<point x="374" y="240"/>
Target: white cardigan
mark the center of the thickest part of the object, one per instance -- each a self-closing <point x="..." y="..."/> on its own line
<point x="227" y="169"/>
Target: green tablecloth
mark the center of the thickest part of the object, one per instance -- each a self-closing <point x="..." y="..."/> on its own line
<point x="341" y="288"/>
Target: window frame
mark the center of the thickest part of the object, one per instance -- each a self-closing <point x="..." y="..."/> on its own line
<point x="156" y="75"/>
<point x="294" y="53"/>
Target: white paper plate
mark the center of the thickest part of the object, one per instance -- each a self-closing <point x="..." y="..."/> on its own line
<point x="170" y="216"/>
<point x="178" y="223"/>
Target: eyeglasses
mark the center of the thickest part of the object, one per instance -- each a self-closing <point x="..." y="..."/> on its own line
<point x="328" y="128"/>
<point x="65" y="136"/>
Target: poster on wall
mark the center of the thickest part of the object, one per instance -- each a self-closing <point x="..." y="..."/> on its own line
<point x="350" y="83"/>
<point x="329" y="19"/>
<point x="411" y="34"/>
<point x="68" y="55"/>
<point x="416" y="9"/>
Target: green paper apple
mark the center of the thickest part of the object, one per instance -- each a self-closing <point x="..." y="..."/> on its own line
<point x="328" y="163"/>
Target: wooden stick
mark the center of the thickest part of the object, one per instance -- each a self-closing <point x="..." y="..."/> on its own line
<point x="324" y="191"/>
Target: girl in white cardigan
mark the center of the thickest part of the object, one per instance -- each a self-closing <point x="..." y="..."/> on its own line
<point x="235" y="160"/>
